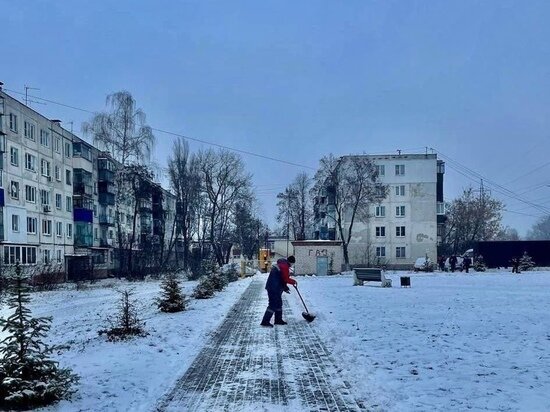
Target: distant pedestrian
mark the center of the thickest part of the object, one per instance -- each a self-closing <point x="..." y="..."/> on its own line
<point x="452" y="262"/>
<point x="515" y="265"/>
<point x="441" y="263"/>
<point x="277" y="283"/>
<point x="466" y="263"/>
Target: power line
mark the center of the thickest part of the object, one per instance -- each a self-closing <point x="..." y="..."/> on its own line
<point x="467" y="172"/>
<point x="181" y="135"/>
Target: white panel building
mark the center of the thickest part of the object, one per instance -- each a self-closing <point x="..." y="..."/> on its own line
<point x="404" y="226"/>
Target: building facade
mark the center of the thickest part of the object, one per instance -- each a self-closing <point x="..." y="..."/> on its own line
<point x="58" y="198"/>
<point x="406" y="225"/>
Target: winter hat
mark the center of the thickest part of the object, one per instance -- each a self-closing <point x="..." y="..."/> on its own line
<point x="291" y="259"/>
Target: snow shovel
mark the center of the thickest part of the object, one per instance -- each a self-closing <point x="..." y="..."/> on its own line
<point x="306" y="315"/>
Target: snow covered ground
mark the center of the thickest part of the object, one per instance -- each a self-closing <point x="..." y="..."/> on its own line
<point x="455" y="342"/>
<point x="451" y="341"/>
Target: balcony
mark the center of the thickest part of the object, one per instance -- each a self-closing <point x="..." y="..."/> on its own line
<point x="106" y="242"/>
<point x="106" y="199"/>
<point x="106" y="220"/>
<point x="83" y="240"/>
<point x="145" y="205"/>
<point x="83" y="215"/>
<point x="106" y="176"/>
<point x="105" y="187"/>
<point x="83" y="189"/>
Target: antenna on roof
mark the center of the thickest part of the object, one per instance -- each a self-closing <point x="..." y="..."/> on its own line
<point x="27" y="101"/>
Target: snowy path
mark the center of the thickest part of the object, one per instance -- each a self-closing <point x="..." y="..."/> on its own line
<point x="247" y="367"/>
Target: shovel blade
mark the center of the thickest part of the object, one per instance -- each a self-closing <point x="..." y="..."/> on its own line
<point x="308" y="316"/>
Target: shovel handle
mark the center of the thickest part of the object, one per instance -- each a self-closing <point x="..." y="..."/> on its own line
<point x="304" y="303"/>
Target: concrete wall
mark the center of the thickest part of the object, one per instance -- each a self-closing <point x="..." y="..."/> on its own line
<point x="307" y="251"/>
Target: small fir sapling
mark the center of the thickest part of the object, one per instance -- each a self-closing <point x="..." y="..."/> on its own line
<point x="126" y="322"/>
<point x="172" y="298"/>
<point x="29" y="378"/>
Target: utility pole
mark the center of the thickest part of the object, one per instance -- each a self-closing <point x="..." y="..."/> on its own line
<point x="288" y="225"/>
<point x="27" y="88"/>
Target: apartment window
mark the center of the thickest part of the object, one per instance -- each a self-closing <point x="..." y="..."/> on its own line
<point x="44" y="138"/>
<point x="400" y="190"/>
<point x="30" y="162"/>
<point x="28" y="130"/>
<point x="58" y="173"/>
<point x="400" y="231"/>
<point x="13" y="122"/>
<point x="69" y="203"/>
<point x="58" y="201"/>
<point x="380" y="191"/>
<point x="381" y="170"/>
<point x="31" y="225"/>
<point x="68" y="179"/>
<point x="57" y="145"/>
<point x="14" y="189"/>
<point x="111" y="234"/>
<point x="45" y="197"/>
<point x="440" y="167"/>
<point x="69" y="230"/>
<point x="14" y="156"/>
<point x="47" y="227"/>
<point x="47" y="256"/>
<point x="440" y="230"/>
<point x="380" y="231"/>
<point x="59" y="255"/>
<point x="67" y="149"/>
<point x="399" y="170"/>
<point x="440" y="208"/>
<point x="380" y="211"/>
<point x="400" y="211"/>
<point x="58" y="229"/>
<point x="380" y="251"/>
<point x="22" y="254"/>
<point x="400" y="252"/>
<point x="15" y="223"/>
<point x="30" y="194"/>
<point x="45" y="168"/>
<point x="96" y="234"/>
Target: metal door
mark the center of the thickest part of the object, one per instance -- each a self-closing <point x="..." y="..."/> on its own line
<point x="322" y="265"/>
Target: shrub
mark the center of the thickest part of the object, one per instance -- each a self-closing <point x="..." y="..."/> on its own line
<point x="205" y="289"/>
<point x="126" y="323"/>
<point x="172" y="299"/>
<point x="526" y="263"/>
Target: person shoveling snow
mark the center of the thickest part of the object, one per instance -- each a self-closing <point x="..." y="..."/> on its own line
<point x="277" y="283"/>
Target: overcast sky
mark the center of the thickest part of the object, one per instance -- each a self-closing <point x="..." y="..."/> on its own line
<point x="298" y="80"/>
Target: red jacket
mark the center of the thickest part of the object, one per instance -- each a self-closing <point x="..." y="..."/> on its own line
<point x="284" y="267"/>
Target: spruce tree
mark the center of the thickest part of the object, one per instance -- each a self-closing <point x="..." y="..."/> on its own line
<point x="526" y="262"/>
<point x="126" y="323"/>
<point x="172" y="299"/>
<point x="28" y="376"/>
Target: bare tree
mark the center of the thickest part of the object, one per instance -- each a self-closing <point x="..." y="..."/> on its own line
<point x="295" y="208"/>
<point x="352" y="185"/>
<point x="540" y="230"/>
<point x="507" y="233"/>
<point x="185" y="181"/>
<point x="472" y="218"/>
<point x="123" y="132"/>
<point x="225" y="184"/>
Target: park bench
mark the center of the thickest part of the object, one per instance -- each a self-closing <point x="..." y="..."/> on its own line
<point x="372" y="275"/>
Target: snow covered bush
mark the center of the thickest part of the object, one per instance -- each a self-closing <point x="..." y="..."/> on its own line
<point x="479" y="264"/>
<point x="29" y="378"/>
<point x="526" y="262"/>
<point x="126" y="322"/>
<point x="205" y="289"/>
<point x="47" y="276"/>
<point x="172" y="299"/>
<point x="231" y="272"/>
